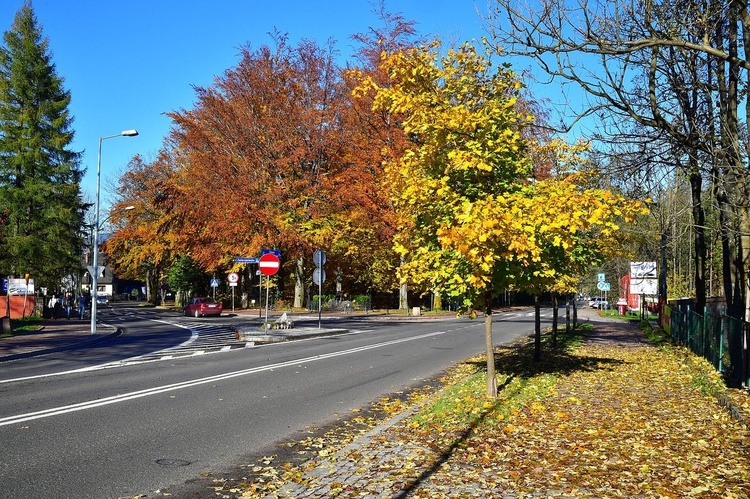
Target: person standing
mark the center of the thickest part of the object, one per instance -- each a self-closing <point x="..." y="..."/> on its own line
<point x="81" y="305"/>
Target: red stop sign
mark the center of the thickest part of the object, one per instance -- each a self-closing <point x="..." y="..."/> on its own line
<point x="269" y="264"/>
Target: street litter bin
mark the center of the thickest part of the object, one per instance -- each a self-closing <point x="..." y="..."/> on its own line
<point x="622" y="306"/>
<point x="5" y="327"/>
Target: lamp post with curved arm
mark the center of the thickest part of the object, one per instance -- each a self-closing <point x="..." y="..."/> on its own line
<point x="95" y="273"/>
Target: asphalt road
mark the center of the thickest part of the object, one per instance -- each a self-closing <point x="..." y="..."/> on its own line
<point x="136" y="428"/>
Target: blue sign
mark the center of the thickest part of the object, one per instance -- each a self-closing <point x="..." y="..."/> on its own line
<point x="214" y="283"/>
<point x="275" y="252"/>
<point x="5" y="284"/>
<point x="245" y="259"/>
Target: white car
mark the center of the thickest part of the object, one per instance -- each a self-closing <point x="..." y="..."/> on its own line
<point x="599" y="302"/>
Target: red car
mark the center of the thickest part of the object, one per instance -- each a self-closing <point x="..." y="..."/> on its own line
<point x="200" y="307"/>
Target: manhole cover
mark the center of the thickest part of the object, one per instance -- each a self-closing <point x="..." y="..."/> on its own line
<point x="172" y="463"/>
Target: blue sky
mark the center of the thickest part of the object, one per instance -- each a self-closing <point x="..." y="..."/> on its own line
<point x="128" y="63"/>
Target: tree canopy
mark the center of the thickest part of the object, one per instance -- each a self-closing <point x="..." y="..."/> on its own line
<point x="472" y="219"/>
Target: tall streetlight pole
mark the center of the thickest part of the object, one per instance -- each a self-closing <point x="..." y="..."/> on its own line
<point x="95" y="273"/>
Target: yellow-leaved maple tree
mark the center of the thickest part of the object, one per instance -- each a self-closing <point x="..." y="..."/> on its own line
<point x="459" y="113"/>
<point x="471" y="220"/>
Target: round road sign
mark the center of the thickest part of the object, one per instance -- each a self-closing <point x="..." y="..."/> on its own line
<point x="233" y="277"/>
<point x="269" y="264"/>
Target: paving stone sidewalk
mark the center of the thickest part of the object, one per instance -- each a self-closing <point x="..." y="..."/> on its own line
<point x="387" y="463"/>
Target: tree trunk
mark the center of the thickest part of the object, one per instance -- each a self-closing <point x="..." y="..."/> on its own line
<point x="403" y="297"/>
<point x="663" y="275"/>
<point x="537" y="329"/>
<point x="554" y="320"/>
<point x="152" y="286"/>
<point x="489" y="344"/>
<point x="699" y="231"/>
<point x="744" y="264"/>
<point x="437" y="302"/>
<point x="299" y="284"/>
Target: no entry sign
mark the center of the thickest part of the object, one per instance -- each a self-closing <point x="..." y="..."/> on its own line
<point x="269" y="264"/>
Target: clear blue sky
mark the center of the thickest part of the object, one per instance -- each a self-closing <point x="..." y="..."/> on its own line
<point x="128" y="63"/>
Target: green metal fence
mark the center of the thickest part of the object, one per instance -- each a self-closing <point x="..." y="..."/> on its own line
<point x="720" y="339"/>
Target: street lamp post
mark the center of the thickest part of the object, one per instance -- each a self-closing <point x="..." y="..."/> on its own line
<point x="95" y="273"/>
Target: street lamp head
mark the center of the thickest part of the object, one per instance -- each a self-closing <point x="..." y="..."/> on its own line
<point x="128" y="208"/>
<point x="129" y="133"/>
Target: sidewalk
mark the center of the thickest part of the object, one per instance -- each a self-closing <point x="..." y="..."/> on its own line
<point x="54" y="336"/>
<point x="617" y="417"/>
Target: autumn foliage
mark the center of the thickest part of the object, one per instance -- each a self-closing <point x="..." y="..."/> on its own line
<point x="414" y="160"/>
<point x="472" y="219"/>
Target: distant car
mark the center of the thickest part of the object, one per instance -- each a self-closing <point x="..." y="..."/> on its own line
<point x="599" y="302"/>
<point x="101" y="300"/>
<point x="200" y="307"/>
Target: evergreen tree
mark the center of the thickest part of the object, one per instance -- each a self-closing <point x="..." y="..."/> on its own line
<point x="41" y="209"/>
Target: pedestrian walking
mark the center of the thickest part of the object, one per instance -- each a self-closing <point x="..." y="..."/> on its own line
<point x="52" y="305"/>
<point x="59" y="306"/>
<point x="68" y="304"/>
<point x="81" y="305"/>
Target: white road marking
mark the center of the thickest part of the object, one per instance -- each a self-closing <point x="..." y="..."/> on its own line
<point x="108" y="365"/>
<point x="82" y="406"/>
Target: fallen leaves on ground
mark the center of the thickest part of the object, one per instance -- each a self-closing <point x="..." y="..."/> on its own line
<point x="594" y="420"/>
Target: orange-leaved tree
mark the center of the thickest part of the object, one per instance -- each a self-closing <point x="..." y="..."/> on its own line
<point x="380" y="139"/>
<point x="276" y="154"/>
<point x="147" y="242"/>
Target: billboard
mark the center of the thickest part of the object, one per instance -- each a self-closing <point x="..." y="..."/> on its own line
<point x="643" y="279"/>
<point x="19" y="287"/>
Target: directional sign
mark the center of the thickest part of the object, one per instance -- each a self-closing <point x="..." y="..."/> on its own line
<point x="90" y="268"/>
<point x="603" y="286"/>
<point x="245" y="259"/>
<point x="319" y="258"/>
<point x="269" y="264"/>
<point x="319" y="276"/>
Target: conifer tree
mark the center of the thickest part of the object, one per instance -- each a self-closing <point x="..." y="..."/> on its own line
<point x="41" y="209"/>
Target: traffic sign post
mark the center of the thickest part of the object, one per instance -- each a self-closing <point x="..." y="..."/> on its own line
<point x="233" y="279"/>
<point x="214" y="285"/>
<point x="319" y="276"/>
<point x="269" y="263"/>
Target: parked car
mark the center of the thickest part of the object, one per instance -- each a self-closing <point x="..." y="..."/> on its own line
<point x="202" y="306"/>
<point x="599" y="302"/>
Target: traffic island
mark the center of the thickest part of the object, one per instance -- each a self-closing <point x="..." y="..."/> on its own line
<point x="256" y="335"/>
